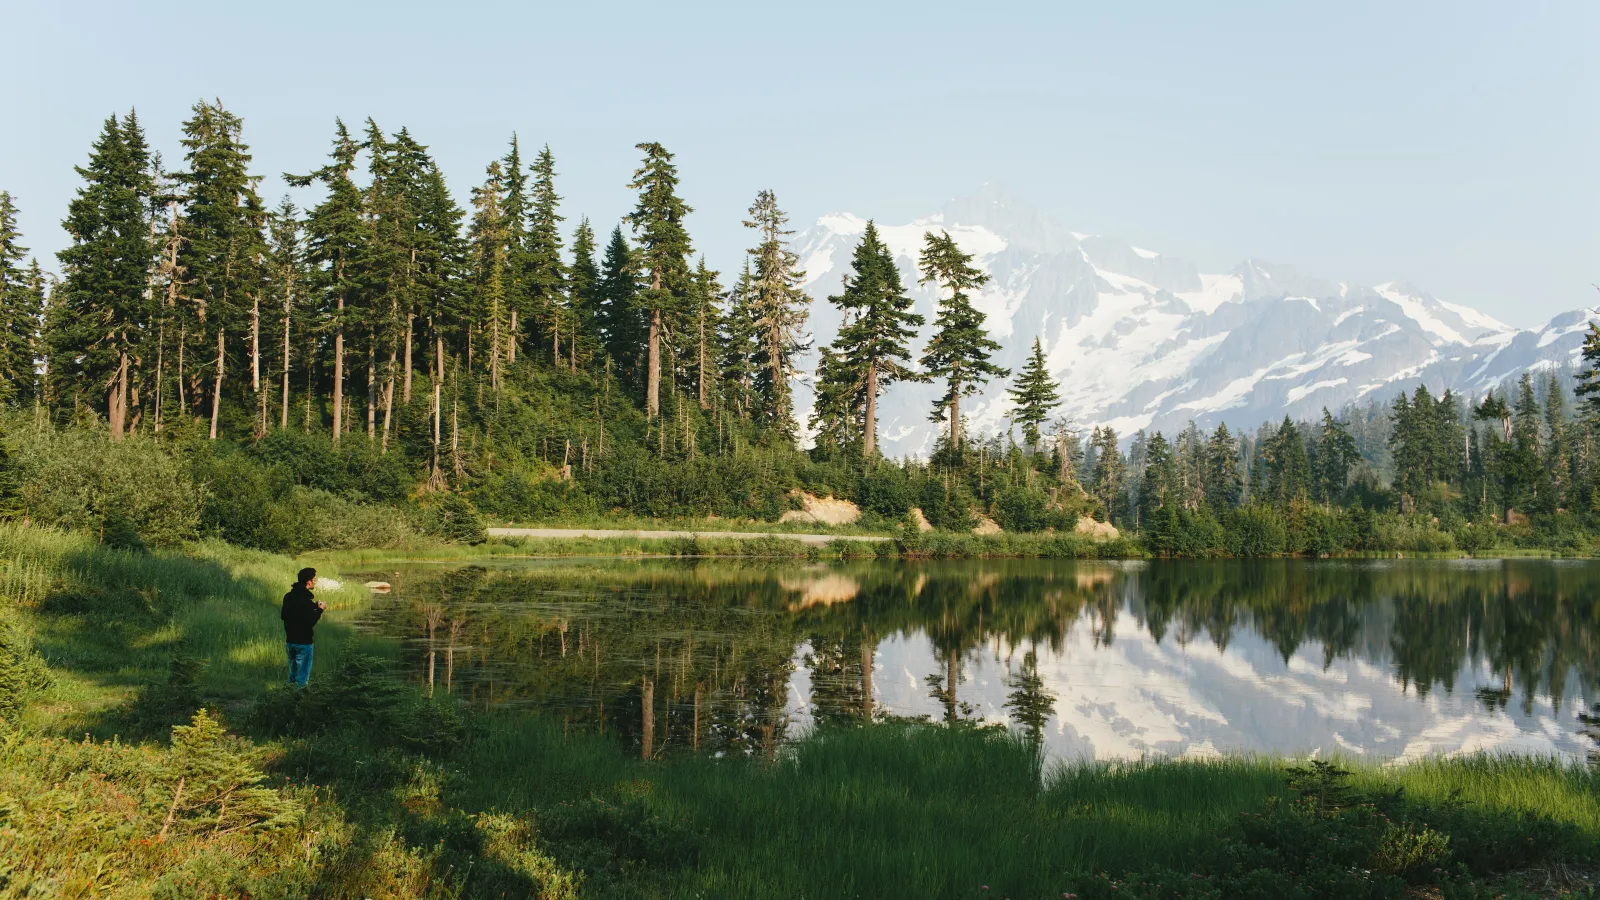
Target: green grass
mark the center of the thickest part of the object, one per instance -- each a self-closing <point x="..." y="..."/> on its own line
<point x="520" y="808"/>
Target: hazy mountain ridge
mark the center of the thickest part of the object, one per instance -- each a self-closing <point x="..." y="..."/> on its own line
<point x="1144" y="340"/>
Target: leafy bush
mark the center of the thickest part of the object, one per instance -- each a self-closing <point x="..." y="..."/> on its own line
<point x="22" y="672"/>
<point x="81" y="480"/>
<point x="1256" y="531"/>
<point x="452" y="517"/>
<point x="884" y="490"/>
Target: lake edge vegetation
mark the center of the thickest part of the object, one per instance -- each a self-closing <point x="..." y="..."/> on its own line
<point x="366" y="788"/>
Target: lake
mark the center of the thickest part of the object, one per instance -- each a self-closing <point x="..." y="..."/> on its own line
<point x="1380" y="659"/>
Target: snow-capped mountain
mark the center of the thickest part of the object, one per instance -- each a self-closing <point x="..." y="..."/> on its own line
<point x="1144" y="340"/>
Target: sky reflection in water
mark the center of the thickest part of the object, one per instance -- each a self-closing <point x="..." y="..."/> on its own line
<point x="1383" y="659"/>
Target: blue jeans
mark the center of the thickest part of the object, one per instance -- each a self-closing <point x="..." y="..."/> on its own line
<point x="299" y="663"/>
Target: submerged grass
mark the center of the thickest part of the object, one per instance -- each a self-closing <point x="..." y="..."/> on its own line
<point x="515" y="807"/>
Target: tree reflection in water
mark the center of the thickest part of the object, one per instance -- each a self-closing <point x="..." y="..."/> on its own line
<point x="699" y="656"/>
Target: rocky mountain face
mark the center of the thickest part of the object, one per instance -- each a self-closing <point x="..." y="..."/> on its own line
<point x="1144" y="340"/>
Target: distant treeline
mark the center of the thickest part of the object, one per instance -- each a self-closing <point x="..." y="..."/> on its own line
<point x="386" y="348"/>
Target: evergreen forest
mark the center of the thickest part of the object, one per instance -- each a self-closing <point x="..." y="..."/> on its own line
<point x="372" y="364"/>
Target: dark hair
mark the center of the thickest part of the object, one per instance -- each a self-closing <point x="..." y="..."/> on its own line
<point x="307" y="574"/>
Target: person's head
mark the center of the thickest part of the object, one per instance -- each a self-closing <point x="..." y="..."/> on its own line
<point x="308" y="577"/>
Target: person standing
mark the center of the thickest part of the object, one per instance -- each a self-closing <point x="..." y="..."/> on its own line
<point x="301" y="610"/>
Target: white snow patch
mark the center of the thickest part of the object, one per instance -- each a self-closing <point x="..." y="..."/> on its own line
<point x="1215" y="290"/>
<point x="1295" y="394"/>
<point x="1438" y="331"/>
<point x="1147" y="254"/>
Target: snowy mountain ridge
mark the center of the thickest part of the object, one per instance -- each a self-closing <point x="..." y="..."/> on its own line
<point x="1139" y="339"/>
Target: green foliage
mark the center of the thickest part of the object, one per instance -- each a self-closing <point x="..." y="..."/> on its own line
<point x="451" y="517"/>
<point x="23" y="673"/>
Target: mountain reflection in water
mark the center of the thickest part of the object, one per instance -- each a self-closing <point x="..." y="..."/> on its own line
<point x="1387" y="659"/>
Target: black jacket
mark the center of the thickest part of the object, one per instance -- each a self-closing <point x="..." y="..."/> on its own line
<point x="300" y="615"/>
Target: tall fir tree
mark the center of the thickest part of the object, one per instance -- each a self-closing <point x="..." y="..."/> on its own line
<point x="663" y="253"/>
<point x="105" y="291"/>
<point x="544" y="271"/>
<point x="583" y="280"/>
<point x="1334" y="455"/>
<point x="740" y="349"/>
<point x="619" y="313"/>
<point x="491" y="251"/>
<point x="872" y="349"/>
<point x="514" y="209"/>
<point x="287" y="279"/>
<point x="21" y="312"/>
<point x="1224" y="482"/>
<point x="705" y="297"/>
<point x="960" y="349"/>
<point x="1035" y="396"/>
<point x="337" y="240"/>
<point x="778" y="308"/>
<point x="1108" y="481"/>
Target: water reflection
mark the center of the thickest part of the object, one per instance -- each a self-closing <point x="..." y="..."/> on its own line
<point x="1105" y="660"/>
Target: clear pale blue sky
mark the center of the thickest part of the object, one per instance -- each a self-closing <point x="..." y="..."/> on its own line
<point x="1449" y="143"/>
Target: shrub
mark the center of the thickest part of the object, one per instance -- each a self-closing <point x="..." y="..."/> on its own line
<point x="22" y="672"/>
<point x="1256" y="531"/>
<point x="885" y="490"/>
<point x="452" y="517"/>
<point x="81" y="480"/>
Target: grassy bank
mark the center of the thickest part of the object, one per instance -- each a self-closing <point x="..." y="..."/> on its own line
<point x="369" y="790"/>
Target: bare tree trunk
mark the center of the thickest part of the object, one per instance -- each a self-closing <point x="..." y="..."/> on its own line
<point x="216" y="397"/>
<point x="705" y="394"/>
<point x="388" y="398"/>
<point x="950" y="687"/>
<point x="511" y="340"/>
<point x="406" y="397"/>
<point x="183" y="340"/>
<point x="255" y="344"/>
<point x="338" y="375"/>
<point x="161" y="348"/>
<point x="955" y="415"/>
<point x="869" y="442"/>
<point x="119" y="405"/>
<point x="288" y="307"/>
<point x="652" y="391"/>
<point x="372" y="386"/>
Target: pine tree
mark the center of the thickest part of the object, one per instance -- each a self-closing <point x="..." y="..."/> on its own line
<point x="489" y="237"/>
<point x="960" y="349"/>
<point x="778" y="308"/>
<point x="1035" y="396"/>
<point x="514" y="208"/>
<point x="1287" y="465"/>
<point x="1224" y="483"/>
<point x="705" y="294"/>
<point x="664" y="253"/>
<point x="337" y="242"/>
<point x="1107" y="483"/>
<point x="1159" y="485"/>
<point x="740" y="348"/>
<point x="1335" y="454"/>
<point x="287" y="288"/>
<point x="583" y="281"/>
<point x="21" y="311"/>
<point x="871" y="350"/>
<point x="105" y="291"/>
<point x="544" y="272"/>
<point x="1588" y="386"/>
<point x="619" y="311"/>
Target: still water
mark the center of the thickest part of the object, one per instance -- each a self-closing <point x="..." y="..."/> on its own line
<point x="1384" y="659"/>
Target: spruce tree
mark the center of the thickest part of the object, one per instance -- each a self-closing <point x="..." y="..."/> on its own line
<point x="663" y="252"/>
<point x="619" y="312"/>
<point x="960" y="349"/>
<point x="1588" y="386"/>
<point x="705" y="295"/>
<point x="1035" y="396"/>
<point x="337" y="241"/>
<point x="287" y="289"/>
<point x="1335" y="455"/>
<point x="21" y="311"/>
<point x="489" y="236"/>
<point x="105" y="291"/>
<point x="871" y="351"/>
<point x="778" y="307"/>
<point x="514" y="209"/>
<point x="1107" y="482"/>
<point x="543" y="272"/>
<point x="583" y="279"/>
<point x="1224" y="482"/>
<point x="740" y="349"/>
